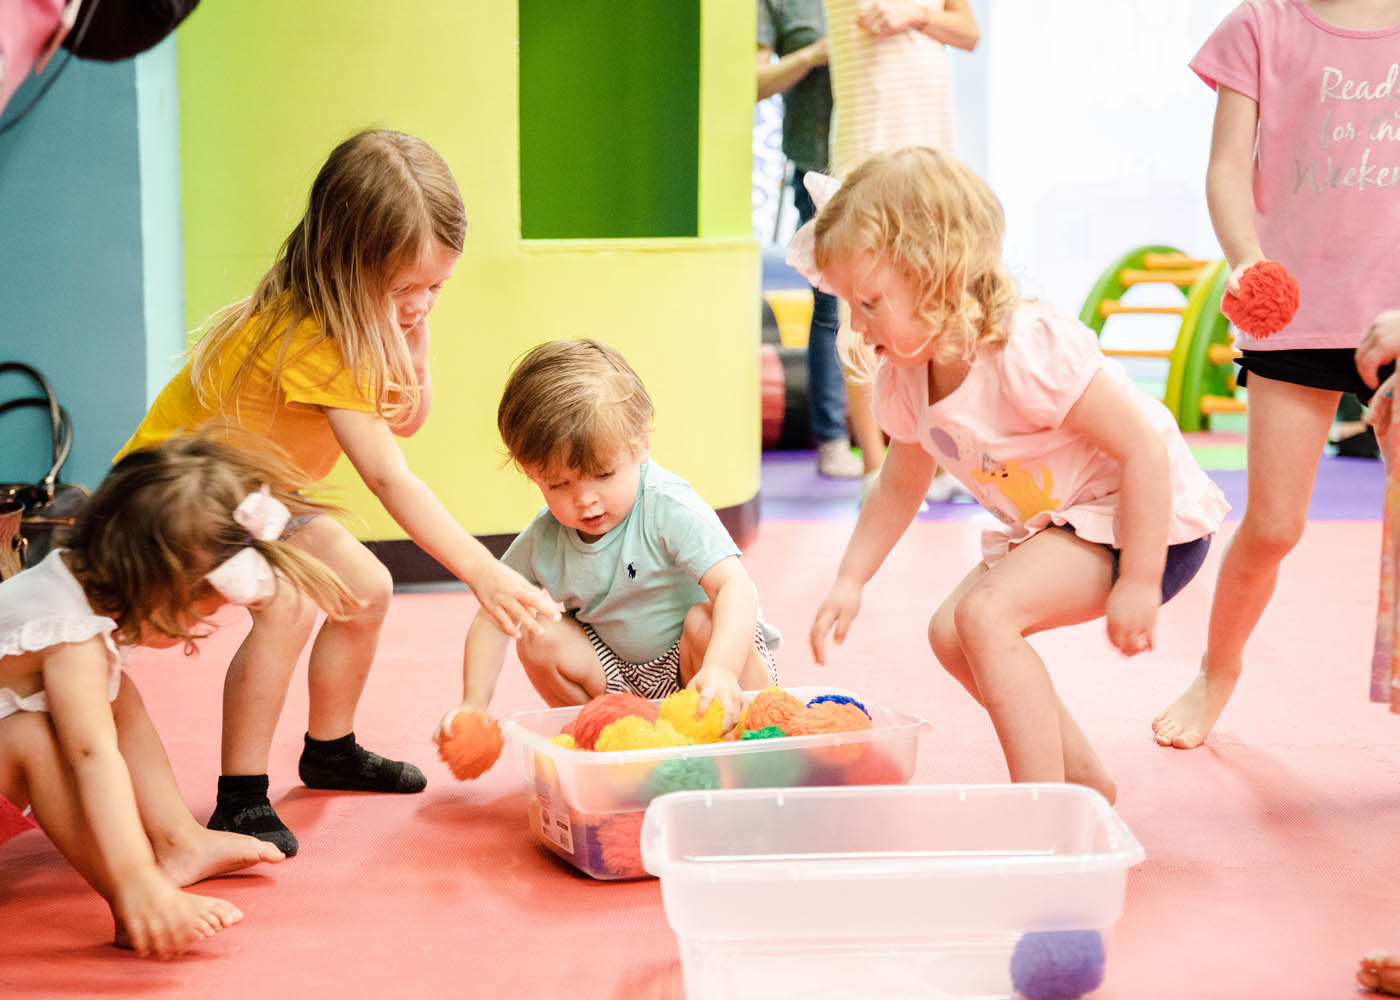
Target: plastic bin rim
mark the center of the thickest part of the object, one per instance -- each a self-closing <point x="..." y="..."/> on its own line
<point x="1126" y="853"/>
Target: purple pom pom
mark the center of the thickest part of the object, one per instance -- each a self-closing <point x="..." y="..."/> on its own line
<point x="839" y="699"/>
<point x="1057" y="965"/>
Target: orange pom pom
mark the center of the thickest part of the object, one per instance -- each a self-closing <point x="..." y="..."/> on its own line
<point x="620" y="838"/>
<point x="470" y="745"/>
<point x="1267" y="300"/>
<point x="828" y="717"/>
<point x="605" y="709"/>
<point x="771" y="707"/>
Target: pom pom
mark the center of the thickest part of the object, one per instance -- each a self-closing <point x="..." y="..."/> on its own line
<point x="606" y="708"/>
<point x="1267" y="300"/>
<point x="1057" y="965"/>
<point x="565" y="740"/>
<point x="632" y="732"/>
<point x="620" y="844"/>
<point x="771" y="766"/>
<point x="829" y="717"/>
<point x="770" y="707"/>
<point x="679" y="710"/>
<point x="470" y="744"/>
<point x="873" y="767"/>
<point x="681" y="774"/>
<point x="766" y="733"/>
<point x="838" y="699"/>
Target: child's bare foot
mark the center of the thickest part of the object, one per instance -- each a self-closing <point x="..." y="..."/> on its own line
<point x="1186" y="722"/>
<point x="179" y="923"/>
<point x="1380" y="971"/>
<point x="199" y="854"/>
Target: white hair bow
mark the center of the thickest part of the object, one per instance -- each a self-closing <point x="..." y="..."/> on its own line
<point x="246" y="577"/>
<point x="801" y="255"/>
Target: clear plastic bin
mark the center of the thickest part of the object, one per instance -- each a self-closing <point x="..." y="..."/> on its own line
<point x="587" y="806"/>
<point x="906" y="891"/>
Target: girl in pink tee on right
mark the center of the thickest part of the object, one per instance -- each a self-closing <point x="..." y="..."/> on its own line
<point x="1304" y="170"/>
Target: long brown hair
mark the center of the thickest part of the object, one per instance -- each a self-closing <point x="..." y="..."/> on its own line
<point x="935" y="221"/>
<point x="381" y="199"/>
<point x="162" y="518"/>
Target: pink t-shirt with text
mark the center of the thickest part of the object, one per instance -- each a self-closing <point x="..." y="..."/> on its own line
<point x="1327" y="167"/>
<point x="1001" y="434"/>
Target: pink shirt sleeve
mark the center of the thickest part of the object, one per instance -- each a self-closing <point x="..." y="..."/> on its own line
<point x="895" y="408"/>
<point x="1046" y="366"/>
<point x="1230" y="56"/>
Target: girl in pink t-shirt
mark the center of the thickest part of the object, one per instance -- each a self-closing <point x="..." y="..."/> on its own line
<point x="1304" y="170"/>
<point x="1019" y="404"/>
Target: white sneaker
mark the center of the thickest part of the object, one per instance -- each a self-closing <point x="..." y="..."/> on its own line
<point x="943" y="488"/>
<point x="835" y="460"/>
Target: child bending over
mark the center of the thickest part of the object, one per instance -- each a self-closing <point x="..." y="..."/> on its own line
<point x="655" y="594"/>
<point x="330" y="355"/>
<point x="1106" y="514"/>
<point x="172" y="534"/>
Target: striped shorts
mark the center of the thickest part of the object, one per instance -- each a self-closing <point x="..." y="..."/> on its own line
<point x="661" y="676"/>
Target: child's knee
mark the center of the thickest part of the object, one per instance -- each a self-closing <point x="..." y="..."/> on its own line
<point x="943" y="635"/>
<point x="1271" y="536"/>
<point x="27" y="743"/>
<point x="376" y="589"/>
<point x="975" y="615"/>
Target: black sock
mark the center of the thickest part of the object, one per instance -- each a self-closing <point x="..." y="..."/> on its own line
<point x="345" y="765"/>
<point x="243" y="807"/>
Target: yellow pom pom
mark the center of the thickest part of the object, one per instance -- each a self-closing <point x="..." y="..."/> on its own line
<point x="632" y="732"/>
<point x="679" y="710"/>
<point x="564" y="740"/>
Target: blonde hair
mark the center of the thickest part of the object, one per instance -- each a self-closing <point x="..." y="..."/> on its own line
<point x="381" y="199"/>
<point x="573" y="403"/>
<point x="162" y="518"/>
<point x="936" y="222"/>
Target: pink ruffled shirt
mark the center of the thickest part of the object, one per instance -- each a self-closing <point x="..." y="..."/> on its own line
<point x="1001" y="434"/>
<point x="1327" y="168"/>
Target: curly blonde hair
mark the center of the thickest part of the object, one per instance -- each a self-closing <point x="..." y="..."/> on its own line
<point x="381" y="199"/>
<point x="932" y="219"/>
<point x="573" y="404"/>
<point x="162" y="518"/>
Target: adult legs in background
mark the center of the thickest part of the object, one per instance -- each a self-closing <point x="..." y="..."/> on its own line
<point x="1287" y="429"/>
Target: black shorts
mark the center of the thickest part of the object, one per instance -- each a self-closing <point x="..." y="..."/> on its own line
<point x="1184" y="560"/>
<point x="1332" y="368"/>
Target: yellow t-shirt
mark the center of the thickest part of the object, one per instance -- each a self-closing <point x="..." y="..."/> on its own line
<point x="291" y="414"/>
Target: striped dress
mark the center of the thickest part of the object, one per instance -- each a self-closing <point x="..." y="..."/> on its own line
<point x="888" y="93"/>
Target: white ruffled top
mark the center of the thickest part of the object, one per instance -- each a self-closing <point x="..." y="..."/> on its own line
<point x="42" y="607"/>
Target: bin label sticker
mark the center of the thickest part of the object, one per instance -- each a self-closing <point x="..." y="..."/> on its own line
<point x="554" y="822"/>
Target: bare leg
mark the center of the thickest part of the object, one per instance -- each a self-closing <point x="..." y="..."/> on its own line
<point x="978" y="635"/>
<point x="561" y="663"/>
<point x="1287" y="431"/>
<point x="185" y="851"/>
<point x="32" y="770"/>
<point x="1380" y="971"/>
<point x="695" y="639"/>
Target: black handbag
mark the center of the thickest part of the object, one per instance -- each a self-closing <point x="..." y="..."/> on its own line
<point x="45" y="505"/>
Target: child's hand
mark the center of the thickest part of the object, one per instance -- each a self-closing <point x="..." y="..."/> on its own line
<point x="1232" y="283"/>
<point x="883" y="18"/>
<point x="1380" y="345"/>
<point x="512" y="602"/>
<point x="1381" y="412"/>
<point x="1132" y="611"/>
<point x="712" y="683"/>
<point x="445" y="723"/>
<point x="156" y="919"/>
<point x="839" y="609"/>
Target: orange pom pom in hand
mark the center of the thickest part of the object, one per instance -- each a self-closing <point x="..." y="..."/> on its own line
<point x="470" y="744"/>
<point x="1267" y="300"/>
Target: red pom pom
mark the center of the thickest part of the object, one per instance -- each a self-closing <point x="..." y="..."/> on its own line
<point x="608" y="708"/>
<point x="620" y="837"/>
<point x="470" y="745"/>
<point x="1267" y="300"/>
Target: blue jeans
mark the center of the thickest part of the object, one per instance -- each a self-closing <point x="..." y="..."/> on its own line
<point x="826" y="389"/>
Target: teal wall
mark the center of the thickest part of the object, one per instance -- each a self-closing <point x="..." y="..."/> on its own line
<point x="90" y="254"/>
<point x="609" y="118"/>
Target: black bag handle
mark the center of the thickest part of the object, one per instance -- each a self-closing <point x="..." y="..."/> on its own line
<point x="60" y="424"/>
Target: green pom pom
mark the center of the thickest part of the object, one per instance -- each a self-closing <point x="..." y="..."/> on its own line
<point x="681" y="774"/>
<point x="766" y="733"/>
<point x="769" y="767"/>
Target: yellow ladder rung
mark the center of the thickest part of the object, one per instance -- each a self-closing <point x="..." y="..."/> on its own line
<point x="1221" y="354"/>
<point x="1178" y="277"/>
<point x="1221" y="404"/>
<point x="1116" y="352"/>
<point x="1112" y="307"/>
<point x="1161" y="260"/>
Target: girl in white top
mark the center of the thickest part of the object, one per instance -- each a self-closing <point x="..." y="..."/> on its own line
<point x="1019" y="404"/>
<point x="173" y="533"/>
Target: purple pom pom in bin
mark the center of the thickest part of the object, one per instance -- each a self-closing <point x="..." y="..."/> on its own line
<point x="1057" y="965"/>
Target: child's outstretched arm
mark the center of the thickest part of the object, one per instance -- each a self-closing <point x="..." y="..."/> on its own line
<point x="504" y="594"/>
<point x="483" y="655"/>
<point x="888" y="508"/>
<point x="1108" y="418"/>
<point x="735" y="616"/>
<point x="1230" y="181"/>
<point x="153" y="915"/>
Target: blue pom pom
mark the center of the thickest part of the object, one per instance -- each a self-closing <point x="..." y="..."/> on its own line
<point x="839" y="699"/>
<point x="1057" y="965"/>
